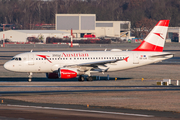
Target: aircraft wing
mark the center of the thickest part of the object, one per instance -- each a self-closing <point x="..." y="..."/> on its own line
<point x="94" y="65"/>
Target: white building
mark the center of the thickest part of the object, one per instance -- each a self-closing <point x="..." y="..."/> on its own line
<point x="170" y="35"/>
<point x="120" y="29"/>
<point x="22" y="35"/>
<point x="81" y="24"/>
<point x="87" y="24"/>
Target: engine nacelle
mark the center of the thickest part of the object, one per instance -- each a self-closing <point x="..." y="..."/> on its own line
<point x="66" y="73"/>
<point x="52" y="75"/>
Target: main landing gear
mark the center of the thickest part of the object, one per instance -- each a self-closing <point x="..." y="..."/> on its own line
<point x="89" y="78"/>
<point x="81" y="78"/>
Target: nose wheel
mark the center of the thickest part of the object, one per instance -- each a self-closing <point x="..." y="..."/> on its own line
<point x="30" y="77"/>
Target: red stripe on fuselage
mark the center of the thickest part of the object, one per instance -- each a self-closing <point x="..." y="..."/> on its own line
<point x="145" y="46"/>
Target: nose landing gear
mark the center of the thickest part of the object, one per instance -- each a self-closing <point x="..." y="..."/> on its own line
<point x="30" y="77"/>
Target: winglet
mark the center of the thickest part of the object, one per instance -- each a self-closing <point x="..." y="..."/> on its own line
<point x="155" y="39"/>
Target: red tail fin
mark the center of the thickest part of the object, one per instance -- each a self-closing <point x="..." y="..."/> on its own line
<point x="156" y="38"/>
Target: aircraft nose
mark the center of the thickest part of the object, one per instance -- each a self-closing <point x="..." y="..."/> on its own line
<point x="7" y="66"/>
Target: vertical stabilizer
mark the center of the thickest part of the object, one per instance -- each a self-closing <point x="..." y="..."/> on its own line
<point x="156" y="38"/>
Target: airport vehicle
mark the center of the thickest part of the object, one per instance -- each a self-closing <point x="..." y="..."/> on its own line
<point x="70" y="64"/>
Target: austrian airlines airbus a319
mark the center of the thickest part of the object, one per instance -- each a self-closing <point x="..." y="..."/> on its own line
<point x="66" y="65"/>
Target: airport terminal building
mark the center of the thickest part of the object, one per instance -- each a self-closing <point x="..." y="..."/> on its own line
<point x="82" y="24"/>
<point x="23" y="35"/>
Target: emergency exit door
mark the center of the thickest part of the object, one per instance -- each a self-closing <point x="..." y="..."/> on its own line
<point x="135" y="58"/>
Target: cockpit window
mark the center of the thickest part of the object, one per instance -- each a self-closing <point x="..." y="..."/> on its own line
<point x="16" y="58"/>
<point x="12" y="58"/>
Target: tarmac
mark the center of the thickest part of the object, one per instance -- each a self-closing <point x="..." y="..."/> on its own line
<point x="129" y="93"/>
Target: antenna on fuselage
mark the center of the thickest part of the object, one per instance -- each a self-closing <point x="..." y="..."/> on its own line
<point x="31" y="50"/>
<point x="105" y="49"/>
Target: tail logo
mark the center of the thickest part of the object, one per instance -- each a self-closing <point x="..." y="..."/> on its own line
<point x="159" y="34"/>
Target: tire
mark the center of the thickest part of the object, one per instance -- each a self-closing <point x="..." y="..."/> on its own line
<point x="81" y="78"/>
<point x="89" y="78"/>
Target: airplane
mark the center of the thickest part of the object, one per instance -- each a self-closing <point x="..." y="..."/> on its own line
<point x="71" y="64"/>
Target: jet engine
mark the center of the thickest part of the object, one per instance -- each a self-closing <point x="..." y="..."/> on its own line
<point x="66" y="73"/>
<point x="52" y="75"/>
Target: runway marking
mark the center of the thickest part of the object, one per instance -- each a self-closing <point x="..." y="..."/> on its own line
<point x="81" y="110"/>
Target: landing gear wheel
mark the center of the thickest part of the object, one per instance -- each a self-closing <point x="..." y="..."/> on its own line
<point x="29" y="80"/>
<point x="89" y="78"/>
<point x="81" y="78"/>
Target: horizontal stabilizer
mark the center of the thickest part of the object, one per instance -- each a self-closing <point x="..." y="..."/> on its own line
<point x="162" y="56"/>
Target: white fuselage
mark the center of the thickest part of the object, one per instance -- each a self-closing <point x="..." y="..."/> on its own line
<point x="47" y="62"/>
